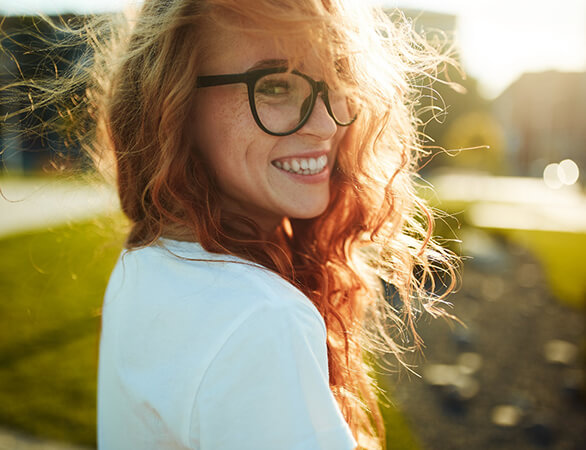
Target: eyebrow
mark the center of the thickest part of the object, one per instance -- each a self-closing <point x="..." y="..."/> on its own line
<point x="268" y="63"/>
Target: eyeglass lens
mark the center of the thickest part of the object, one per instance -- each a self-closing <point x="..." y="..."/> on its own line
<point x="282" y="102"/>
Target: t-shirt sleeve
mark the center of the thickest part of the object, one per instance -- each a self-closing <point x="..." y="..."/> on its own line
<point x="267" y="388"/>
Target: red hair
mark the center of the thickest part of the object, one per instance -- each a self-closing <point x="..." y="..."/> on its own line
<point x="375" y="226"/>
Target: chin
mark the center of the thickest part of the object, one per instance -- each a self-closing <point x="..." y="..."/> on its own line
<point x="309" y="213"/>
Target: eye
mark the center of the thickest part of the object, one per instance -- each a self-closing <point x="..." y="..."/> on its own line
<point x="273" y="87"/>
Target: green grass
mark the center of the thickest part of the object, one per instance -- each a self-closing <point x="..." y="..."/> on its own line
<point x="562" y="256"/>
<point x="399" y="434"/>
<point x="51" y="287"/>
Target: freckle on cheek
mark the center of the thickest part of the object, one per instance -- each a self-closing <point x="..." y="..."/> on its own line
<point x="237" y="114"/>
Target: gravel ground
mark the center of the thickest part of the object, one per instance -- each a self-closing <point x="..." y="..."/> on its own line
<point x="514" y="377"/>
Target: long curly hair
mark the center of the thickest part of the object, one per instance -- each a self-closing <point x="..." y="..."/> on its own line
<point x="375" y="233"/>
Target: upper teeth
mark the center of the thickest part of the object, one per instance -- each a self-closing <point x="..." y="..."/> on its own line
<point x="303" y="166"/>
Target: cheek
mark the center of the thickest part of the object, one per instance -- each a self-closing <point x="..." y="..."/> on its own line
<point x="343" y="135"/>
<point x="224" y="131"/>
<point x="214" y="125"/>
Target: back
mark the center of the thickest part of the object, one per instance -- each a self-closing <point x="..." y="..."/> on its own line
<point x="211" y="352"/>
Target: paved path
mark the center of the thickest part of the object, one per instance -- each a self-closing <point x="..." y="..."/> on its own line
<point x="514" y="202"/>
<point x="10" y="440"/>
<point x="28" y="204"/>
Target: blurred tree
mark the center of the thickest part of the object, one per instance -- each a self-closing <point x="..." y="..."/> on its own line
<point x="476" y="140"/>
<point x="34" y="52"/>
<point x="456" y="116"/>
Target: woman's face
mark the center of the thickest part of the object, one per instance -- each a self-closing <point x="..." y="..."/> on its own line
<point x="249" y="164"/>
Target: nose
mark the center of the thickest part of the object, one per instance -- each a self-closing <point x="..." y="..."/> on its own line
<point x="320" y="123"/>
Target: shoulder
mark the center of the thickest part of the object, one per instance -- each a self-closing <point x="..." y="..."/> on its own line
<point x="277" y="356"/>
<point x="182" y="269"/>
<point x="183" y="288"/>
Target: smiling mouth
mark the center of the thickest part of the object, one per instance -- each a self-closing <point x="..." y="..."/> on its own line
<point x="302" y="166"/>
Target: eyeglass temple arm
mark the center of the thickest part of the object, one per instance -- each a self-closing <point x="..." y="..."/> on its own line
<point x="249" y="77"/>
<point x="219" y="80"/>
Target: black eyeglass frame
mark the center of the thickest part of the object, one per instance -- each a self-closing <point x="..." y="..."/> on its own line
<point x="251" y="77"/>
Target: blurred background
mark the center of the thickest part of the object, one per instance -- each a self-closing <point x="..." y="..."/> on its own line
<point x="511" y="180"/>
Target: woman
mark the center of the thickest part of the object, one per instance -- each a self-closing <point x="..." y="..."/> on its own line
<point x="264" y="154"/>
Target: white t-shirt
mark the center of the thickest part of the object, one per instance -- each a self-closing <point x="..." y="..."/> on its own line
<point x="211" y="355"/>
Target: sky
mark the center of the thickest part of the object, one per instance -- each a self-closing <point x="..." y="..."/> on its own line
<point x="499" y="39"/>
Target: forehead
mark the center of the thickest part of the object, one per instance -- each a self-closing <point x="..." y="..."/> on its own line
<point x="233" y="51"/>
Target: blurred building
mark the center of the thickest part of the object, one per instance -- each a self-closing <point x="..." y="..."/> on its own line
<point x="543" y="116"/>
<point x="30" y="51"/>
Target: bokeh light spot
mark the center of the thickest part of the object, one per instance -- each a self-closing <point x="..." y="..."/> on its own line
<point x="568" y="172"/>
<point x="551" y="177"/>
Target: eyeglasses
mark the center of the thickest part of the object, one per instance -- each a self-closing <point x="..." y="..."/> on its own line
<point x="282" y="101"/>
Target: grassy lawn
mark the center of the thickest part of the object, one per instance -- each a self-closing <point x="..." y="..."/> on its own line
<point x="399" y="435"/>
<point x="52" y="284"/>
<point x="51" y="287"/>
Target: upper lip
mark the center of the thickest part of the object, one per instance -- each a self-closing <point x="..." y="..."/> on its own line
<point x="305" y="154"/>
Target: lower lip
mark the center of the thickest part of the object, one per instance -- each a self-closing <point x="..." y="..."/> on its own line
<point x="320" y="177"/>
